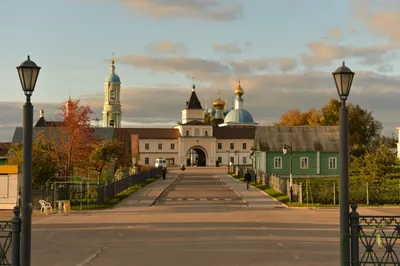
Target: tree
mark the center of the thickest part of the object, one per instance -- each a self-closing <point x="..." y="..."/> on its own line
<point x="363" y="128"/>
<point x="375" y="167"/>
<point x="103" y="153"/>
<point x="75" y="137"/>
<point x="44" y="164"/>
<point x="293" y="118"/>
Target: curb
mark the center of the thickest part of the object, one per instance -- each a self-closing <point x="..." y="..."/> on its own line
<point x="163" y="190"/>
<point x="283" y="204"/>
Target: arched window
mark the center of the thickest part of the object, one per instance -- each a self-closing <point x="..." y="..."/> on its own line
<point x="187" y="132"/>
<point x="206" y="133"/>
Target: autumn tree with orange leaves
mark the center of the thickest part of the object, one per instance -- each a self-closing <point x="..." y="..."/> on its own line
<point x="75" y="138"/>
<point x="363" y="128"/>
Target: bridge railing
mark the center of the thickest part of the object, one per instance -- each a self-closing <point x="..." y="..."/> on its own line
<point x="374" y="239"/>
<point x="10" y="233"/>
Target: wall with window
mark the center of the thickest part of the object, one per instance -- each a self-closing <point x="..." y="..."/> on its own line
<point x="303" y="163"/>
<point x="327" y="163"/>
<point x="149" y="148"/>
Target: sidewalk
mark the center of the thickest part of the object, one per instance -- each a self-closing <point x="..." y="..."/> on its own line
<point x="148" y="194"/>
<point x="253" y="197"/>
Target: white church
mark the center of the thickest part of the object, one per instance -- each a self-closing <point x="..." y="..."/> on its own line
<point x="191" y="142"/>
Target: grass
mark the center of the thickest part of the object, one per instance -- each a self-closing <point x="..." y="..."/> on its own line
<point x="277" y="195"/>
<point x="116" y="199"/>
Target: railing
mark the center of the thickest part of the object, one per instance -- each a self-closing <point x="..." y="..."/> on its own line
<point x="10" y="240"/>
<point x="112" y="189"/>
<point x="374" y="239"/>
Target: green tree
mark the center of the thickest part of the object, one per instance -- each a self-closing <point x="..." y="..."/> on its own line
<point x="209" y="119"/>
<point x="44" y="163"/>
<point x="104" y="153"/>
<point x="375" y="167"/>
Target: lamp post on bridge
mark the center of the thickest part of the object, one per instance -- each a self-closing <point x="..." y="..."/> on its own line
<point x="28" y="73"/>
<point x="285" y="150"/>
<point x="343" y="78"/>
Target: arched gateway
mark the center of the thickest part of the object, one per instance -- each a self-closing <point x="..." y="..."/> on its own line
<point x="196" y="155"/>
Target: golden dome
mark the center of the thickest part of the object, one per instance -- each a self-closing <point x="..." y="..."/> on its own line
<point x="239" y="91"/>
<point x="218" y="104"/>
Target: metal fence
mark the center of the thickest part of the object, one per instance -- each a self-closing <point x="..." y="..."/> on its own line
<point x="108" y="191"/>
<point x="374" y="239"/>
<point x="10" y="240"/>
<point x="282" y="185"/>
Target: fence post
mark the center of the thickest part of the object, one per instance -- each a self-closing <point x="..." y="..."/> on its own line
<point x="354" y="226"/>
<point x="301" y="193"/>
<point x="367" y="194"/>
<point x="334" y="193"/>
<point x="15" y="236"/>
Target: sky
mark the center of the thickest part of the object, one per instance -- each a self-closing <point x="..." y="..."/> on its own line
<point x="282" y="51"/>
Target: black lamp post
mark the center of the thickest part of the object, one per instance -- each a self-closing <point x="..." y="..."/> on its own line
<point x="28" y="73"/>
<point x="343" y="77"/>
<point x="285" y="150"/>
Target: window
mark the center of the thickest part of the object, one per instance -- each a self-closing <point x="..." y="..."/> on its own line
<point x="232" y="159"/>
<point x="244" y="160"/>
<point x="332" y="163"/>
<point x="220" y="159"/>
<point x="277" y="162"/>
<point x="232" y="146"/>
<point x="146" y="160"/>
<point x="219" y="145"/>
<point x="187" y="132"/>
<point x="206" y="133"/>
<point x="172" y="146"/>
<point x="303" y="162"/>
<point x="146" y="146"/>
<point x="244" y="146"/>
<point x="160" y="146"/>
<point x="196" y="132"/>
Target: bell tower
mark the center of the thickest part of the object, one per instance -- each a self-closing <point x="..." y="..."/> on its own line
<point x="112" y="102"/>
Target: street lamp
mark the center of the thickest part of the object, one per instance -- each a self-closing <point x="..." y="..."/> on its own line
<point x="343" y="77"/>
<point x="228" y="153"/>
<point x="237" y="153"/>
<point x="28" y="73"/>
<point x="252" y="155"/>
<point x="285" y="150"/>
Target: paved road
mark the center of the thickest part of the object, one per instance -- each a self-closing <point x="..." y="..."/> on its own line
<point x="133" y="233"/>
<point x="197" y="188"/>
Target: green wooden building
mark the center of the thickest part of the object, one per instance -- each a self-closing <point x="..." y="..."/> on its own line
<point x="315" y="150"/>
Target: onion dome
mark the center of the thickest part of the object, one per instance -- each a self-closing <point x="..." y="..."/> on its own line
<point x="218" y="104"/>
<point x="112" y="77"/>
<point x="239" y="91"/>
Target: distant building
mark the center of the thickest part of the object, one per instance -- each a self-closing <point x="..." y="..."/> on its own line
<point x="315" y="150"/>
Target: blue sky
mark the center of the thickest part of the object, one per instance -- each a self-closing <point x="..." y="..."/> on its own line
<point x="159" y="45"/>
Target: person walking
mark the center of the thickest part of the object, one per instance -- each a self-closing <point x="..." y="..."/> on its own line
<point x="164" y="172"/>
<point x="247" y="178"/>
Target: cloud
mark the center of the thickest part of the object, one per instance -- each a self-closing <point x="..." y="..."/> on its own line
<point x="334" y="34"/>
<point x="379" y="16"/>
<point x="323" y="54"/>
<point x="166" y="47"/>
<point x="214" y="10"/>
<point x="208" y="70"/>
<point x="230" y="48"/>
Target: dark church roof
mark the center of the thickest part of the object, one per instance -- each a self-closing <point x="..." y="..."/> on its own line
<point x="234" y="132"/>
<point x="195" y="122"/>
<point x="193" y="102"/>
<point x="43" y="123"/>
<point x="303" y="138"/>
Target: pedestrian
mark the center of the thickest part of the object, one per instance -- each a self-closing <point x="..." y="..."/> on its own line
<point x="164" y="172"/>
<point x="247" y="178"/>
